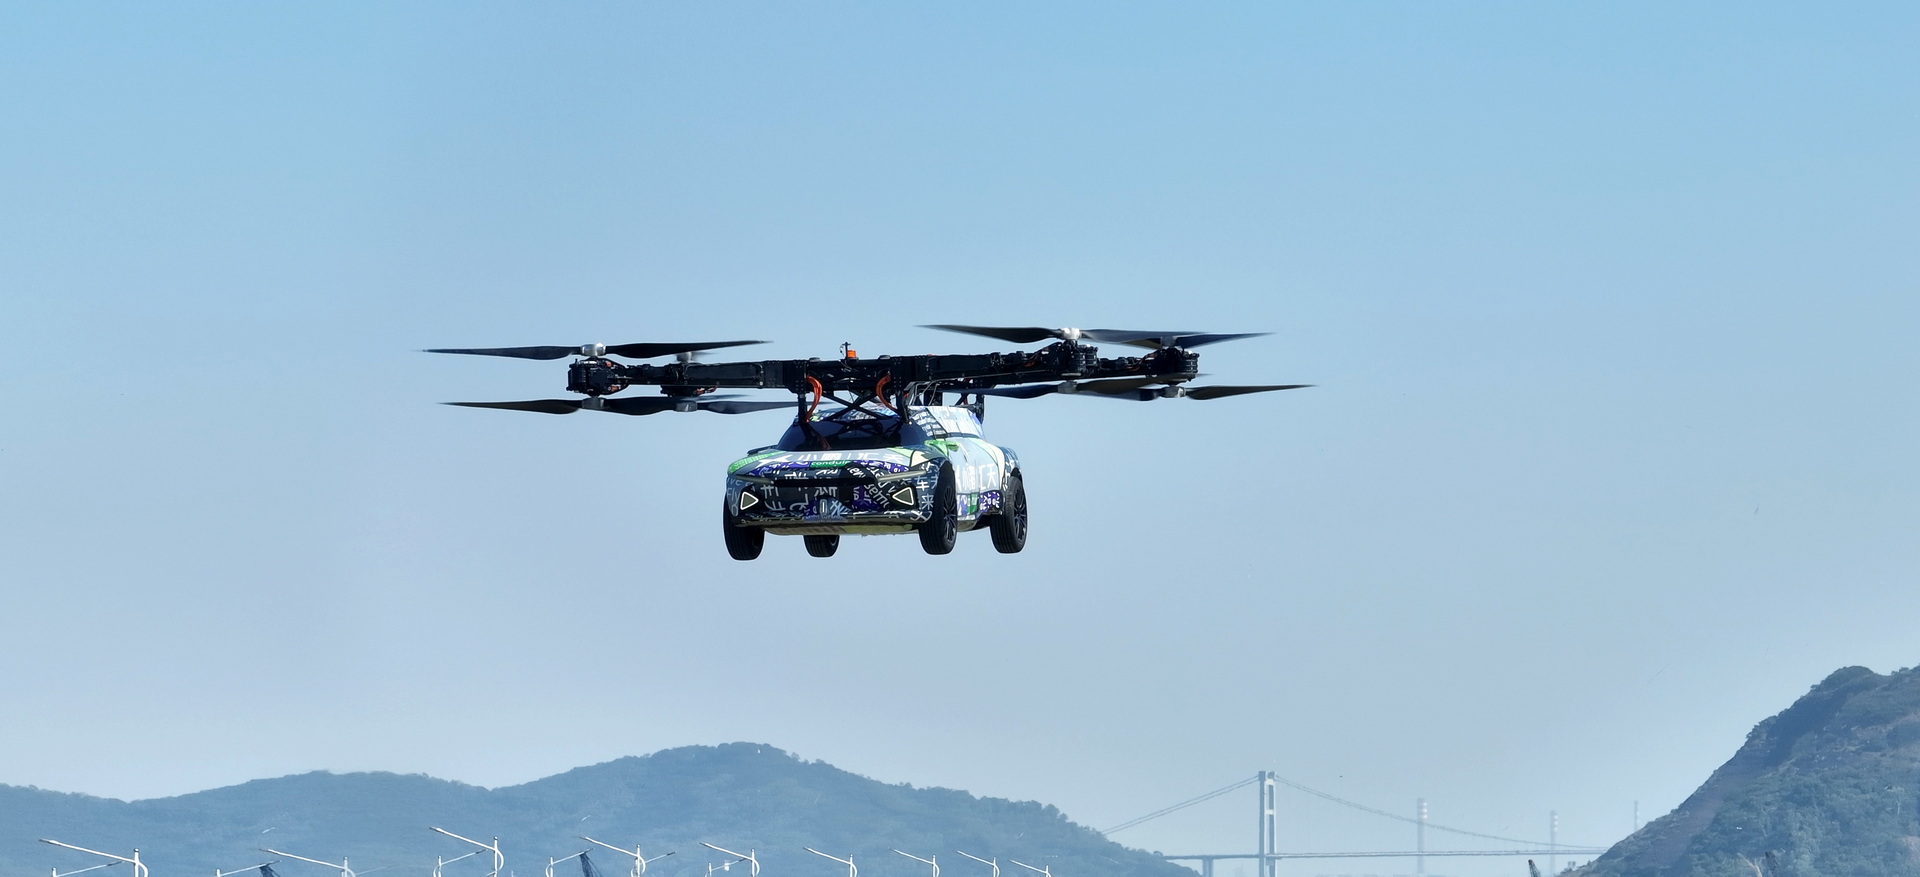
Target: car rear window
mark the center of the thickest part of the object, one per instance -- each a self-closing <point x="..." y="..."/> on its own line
<point x="862" y="434"/>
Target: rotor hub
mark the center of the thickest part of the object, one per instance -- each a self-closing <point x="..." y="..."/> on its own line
<point x="595" y="377"/>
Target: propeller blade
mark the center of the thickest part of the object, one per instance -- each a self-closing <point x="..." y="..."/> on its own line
<point x="1192" y="341"/>
<point x="743" y="407"/>
<point x="1117" y="386"/>
<point x="630" y="351"/>
<point x="648" y="351"/>
<point x="515" y="352"/>
<point x="541" y="406"/>
<point x="1142" y="394"/>
<point x="1152" y="340"/>
<point x="1158" y="340"/>
<point x="1015" y="334"/>
<point x="638" y="405"/>
<point x="1034" y="391"/>
<point x="1221" y="392"/>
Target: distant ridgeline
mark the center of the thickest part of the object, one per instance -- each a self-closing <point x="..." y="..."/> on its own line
<point x="1831" y="787"/>
<point x="739" y="796"/>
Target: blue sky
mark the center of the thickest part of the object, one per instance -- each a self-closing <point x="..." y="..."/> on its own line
<point x="1611" y="311"/>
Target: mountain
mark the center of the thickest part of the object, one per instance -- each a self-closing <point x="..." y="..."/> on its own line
<point x="740" y="796"/>
<point x="1830" y="787"/>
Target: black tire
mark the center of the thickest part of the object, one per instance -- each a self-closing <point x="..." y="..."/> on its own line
<point x="823" y="546"/>
<point x="939" y="533"/>
<point x="743" y="543"/>
<point x="1009" y="525"/>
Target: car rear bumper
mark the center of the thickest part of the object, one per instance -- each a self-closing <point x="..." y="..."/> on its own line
<point x="849" y="528"/>
<point x="831" y="503"/>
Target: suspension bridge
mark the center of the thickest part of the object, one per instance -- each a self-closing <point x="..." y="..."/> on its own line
<point x="1267" y="854"/>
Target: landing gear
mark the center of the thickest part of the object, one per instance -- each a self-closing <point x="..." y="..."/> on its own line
<point x="939" y="533"/>
<point x="822" y="546"/>
<point x="743" y="543"/>
<point x="1009" y="525"/>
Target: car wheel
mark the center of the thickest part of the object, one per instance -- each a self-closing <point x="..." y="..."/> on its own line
<point x="939" y="533"/>
<point x="823" y="546"/>
<point x="743" y="543"/>
<point x="1009" y="525"/>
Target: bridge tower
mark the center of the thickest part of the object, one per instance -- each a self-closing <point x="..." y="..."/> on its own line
<point x="1269" y="825"/>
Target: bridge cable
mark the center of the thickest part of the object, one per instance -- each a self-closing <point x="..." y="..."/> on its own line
<point x="1182" y="805"/>
<point x="1436" y="826"/>
<point x="1330" y="797"/>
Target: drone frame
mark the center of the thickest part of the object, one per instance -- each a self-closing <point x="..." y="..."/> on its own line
<point x="1066" y="366"/>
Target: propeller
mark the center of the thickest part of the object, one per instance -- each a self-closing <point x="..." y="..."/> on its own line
<point x="541" y="406"/>
<point x="1116" y="386"/>
<point x="1032" y="391"/>
<point x="1135" y="389"/>
<point x="742" y="407"/>
<point x="630" y="351"/>
<point x="1110" y="386"/>
<point x="1148" y="339"/>
<point x="1158" y="340"/>
<point x="1015" y="334"/>
<point x="1203" y="393"/>
<point x="634" y="405"/>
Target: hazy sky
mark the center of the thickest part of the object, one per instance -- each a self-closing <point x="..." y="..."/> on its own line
<point x="1611" y="307"/>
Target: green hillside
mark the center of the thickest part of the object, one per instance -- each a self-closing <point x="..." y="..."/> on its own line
<point x="1831" y="787"/>
<point x="739" y="796"/>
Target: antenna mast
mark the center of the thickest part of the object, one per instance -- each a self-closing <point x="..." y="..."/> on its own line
<point x="753" y="864"/>
<point x="438" y="862"/>
<point x="1042" y="871"/>
<point x="344" y="870"/>
<point x="499" y="859"/>
<point x="551" y="861"/>
<point x="639" y="860"/>
<point x="848" y="861"/>
<point x="936" y="865"/>
<point x="56" y="871"/>
<point x="139" y="869"/>
<point x="993" y="863"/>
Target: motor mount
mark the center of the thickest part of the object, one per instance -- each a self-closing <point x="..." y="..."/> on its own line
<point x="595" y="376"/>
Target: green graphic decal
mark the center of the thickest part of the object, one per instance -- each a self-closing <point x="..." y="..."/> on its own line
<point x="737" y="465"/>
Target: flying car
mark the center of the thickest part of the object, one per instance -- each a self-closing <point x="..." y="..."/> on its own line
<point x="875" y="445"/>
<point x="923" y="468"/>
